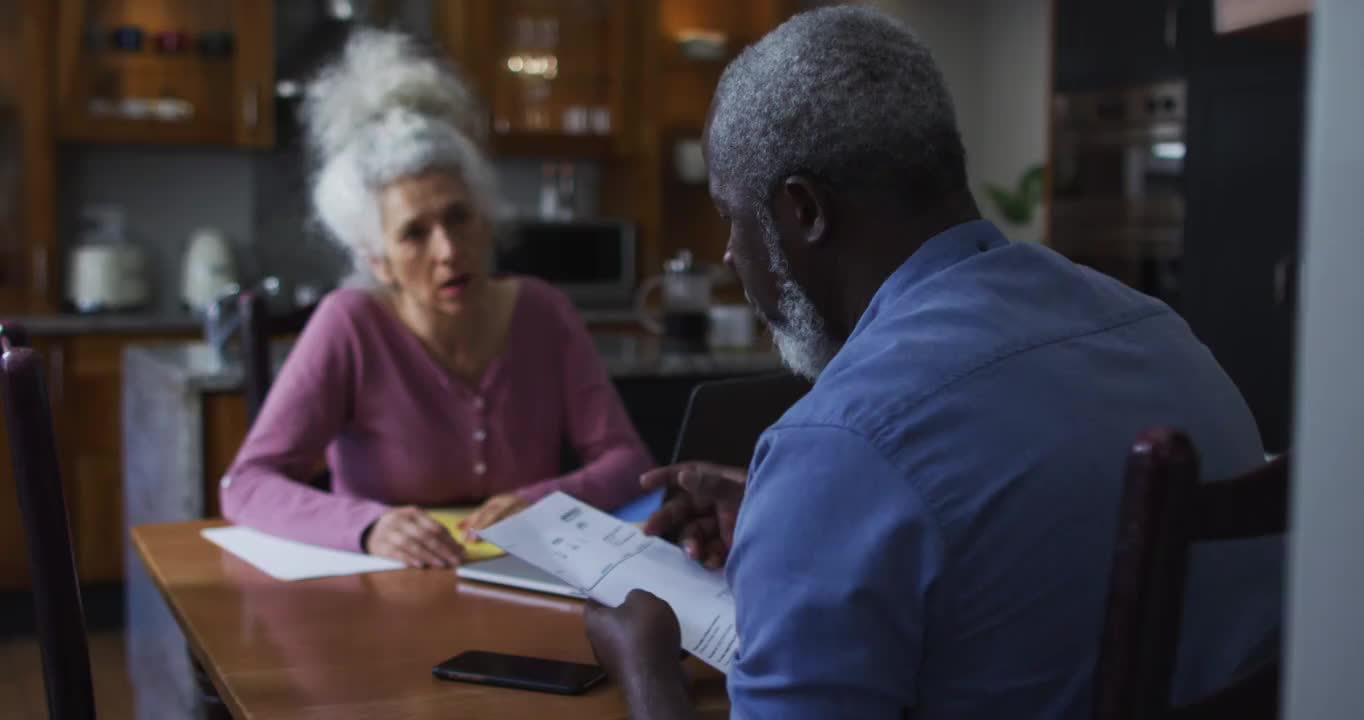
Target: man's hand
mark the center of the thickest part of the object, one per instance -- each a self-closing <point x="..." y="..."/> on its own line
<point x="704" y="513"/>
<point x="643" y="631"/>
<point x="638" y="644"/>
<point x="495" y="509"/>
<point x="411" y="536"/>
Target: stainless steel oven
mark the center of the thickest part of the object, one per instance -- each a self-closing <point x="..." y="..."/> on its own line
<point x="593" y="261"/>
<point x="1118" y="184"/>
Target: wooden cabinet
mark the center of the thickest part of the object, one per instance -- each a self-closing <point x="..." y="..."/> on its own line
<point x="89" y="397"/>
<point x="554" y="74"/>
<point x="27" y="160"/>
<point x="688" y="82"/>
<point x="558" y="77"/>
<point x="625" y="59"/>
<point x="166" y="71"/>
<point x="598" y="106"/>
<point x="84" y="377"/>
<point x="225" y="427"/>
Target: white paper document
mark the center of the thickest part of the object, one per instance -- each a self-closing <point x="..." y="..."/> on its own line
<point x="288" y="560"/>
<point x="606" y="558"/>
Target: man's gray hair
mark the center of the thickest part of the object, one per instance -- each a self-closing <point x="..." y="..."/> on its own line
<point x="846" y="95"/>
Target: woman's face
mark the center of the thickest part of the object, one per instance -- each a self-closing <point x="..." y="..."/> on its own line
<point x="435" y="243"/>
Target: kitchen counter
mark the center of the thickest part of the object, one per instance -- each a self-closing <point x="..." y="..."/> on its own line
<point x="109" y="323"/>
<point x="195" y="367"/>
<point x="132" y="323"/>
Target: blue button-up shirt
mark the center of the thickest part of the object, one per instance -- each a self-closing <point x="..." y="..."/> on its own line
<point x="931" y="529"/>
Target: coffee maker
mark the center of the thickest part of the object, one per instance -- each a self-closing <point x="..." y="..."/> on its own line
<point x="684" y="321"/>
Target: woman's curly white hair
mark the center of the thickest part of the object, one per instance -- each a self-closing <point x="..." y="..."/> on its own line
<point x="383" y="111"/>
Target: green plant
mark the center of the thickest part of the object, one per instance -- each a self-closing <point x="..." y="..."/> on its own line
<point x="1018" y="205"/>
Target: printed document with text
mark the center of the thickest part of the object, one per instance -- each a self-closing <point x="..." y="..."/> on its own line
<point x="606" y="558"/>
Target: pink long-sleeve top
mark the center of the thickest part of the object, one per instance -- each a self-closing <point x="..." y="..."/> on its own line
<point x="397" y="428"/>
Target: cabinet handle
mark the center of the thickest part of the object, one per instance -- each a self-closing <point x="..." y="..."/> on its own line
<point x="40" y="271"/>
<point x="251" y="107"/>
<point x="1282" y="277"/>
<point x="1171" y="24"/>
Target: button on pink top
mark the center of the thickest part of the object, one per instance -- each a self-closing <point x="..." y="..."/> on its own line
<point x="398" y="428"/>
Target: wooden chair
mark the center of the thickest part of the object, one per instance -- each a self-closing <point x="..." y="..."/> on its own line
<point x="56" y="588"/>
<point x="257" y="326"/>
<point x="16" y="333"/>
<point x="1165" y="510"/>
<point x="255" y="350"/>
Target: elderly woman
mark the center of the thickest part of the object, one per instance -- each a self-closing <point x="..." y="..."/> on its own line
<point x="426" y="382"/>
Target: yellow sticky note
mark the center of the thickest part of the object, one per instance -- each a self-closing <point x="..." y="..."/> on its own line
<point x="473" y="551"/>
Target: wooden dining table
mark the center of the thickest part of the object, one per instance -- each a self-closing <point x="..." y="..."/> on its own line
<point x="364" y="645"/>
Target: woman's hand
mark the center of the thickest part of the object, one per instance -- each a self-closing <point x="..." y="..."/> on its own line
<point x="497" y="507"/>
<point x="414" y="538"/>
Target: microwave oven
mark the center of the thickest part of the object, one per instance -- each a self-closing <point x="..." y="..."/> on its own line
<point x="592" y="261"/>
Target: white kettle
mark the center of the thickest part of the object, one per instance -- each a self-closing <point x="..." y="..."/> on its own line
<point x="208" y="268"/>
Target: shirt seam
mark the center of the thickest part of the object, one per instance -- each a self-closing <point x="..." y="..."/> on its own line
<point x="930" y="515"/>
<point x="881" y="454"/>
<point x="1009" y="352"/>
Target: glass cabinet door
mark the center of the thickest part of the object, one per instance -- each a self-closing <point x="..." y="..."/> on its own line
<point x="558" y="67"/>
<point x="166" y="71"/>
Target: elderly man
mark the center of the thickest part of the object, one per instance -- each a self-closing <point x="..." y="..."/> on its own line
<point x="928" y="533"/>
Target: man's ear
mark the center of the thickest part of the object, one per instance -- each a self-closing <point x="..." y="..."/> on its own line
<point x="804" y="208"/>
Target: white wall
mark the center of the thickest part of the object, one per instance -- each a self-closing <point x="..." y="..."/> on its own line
<point x="996" y="57"/>
<point x="947" y="27"/>
<point x="1325" y="678"/>
<point x="1014" y="98"/>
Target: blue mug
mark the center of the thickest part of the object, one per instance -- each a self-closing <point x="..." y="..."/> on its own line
<point x="127" y="38"/>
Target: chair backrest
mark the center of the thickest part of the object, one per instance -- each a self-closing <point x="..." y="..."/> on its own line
<point x="725" y="417"/>
<point x="257" y="326"/>
<point x="255" y="351"/>
<point x="1164" y="511"/>
<point x="56" y="589"/>
<point x="15" y="333"/>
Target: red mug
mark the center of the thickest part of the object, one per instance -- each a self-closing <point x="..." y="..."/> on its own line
<point x="170" y="41"/>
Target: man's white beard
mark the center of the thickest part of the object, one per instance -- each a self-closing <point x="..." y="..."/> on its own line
<point x="802" y="338"/>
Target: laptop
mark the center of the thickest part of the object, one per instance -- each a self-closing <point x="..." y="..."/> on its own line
<point x="725" y="417"/>
<point x="514" y="572"/>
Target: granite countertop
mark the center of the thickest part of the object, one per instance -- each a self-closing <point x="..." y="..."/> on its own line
<point x="131" y="323"/>
<point x="200" y="368"/>
<point x="627" y="356"/>
<point x="196" y="367"/>
<point x="110" y="323"/>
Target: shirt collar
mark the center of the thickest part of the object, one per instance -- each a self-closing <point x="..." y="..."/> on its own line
<point x="938" y="253"/>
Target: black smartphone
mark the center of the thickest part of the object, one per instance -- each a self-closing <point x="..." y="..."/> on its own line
<point x="523" y="673"/>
